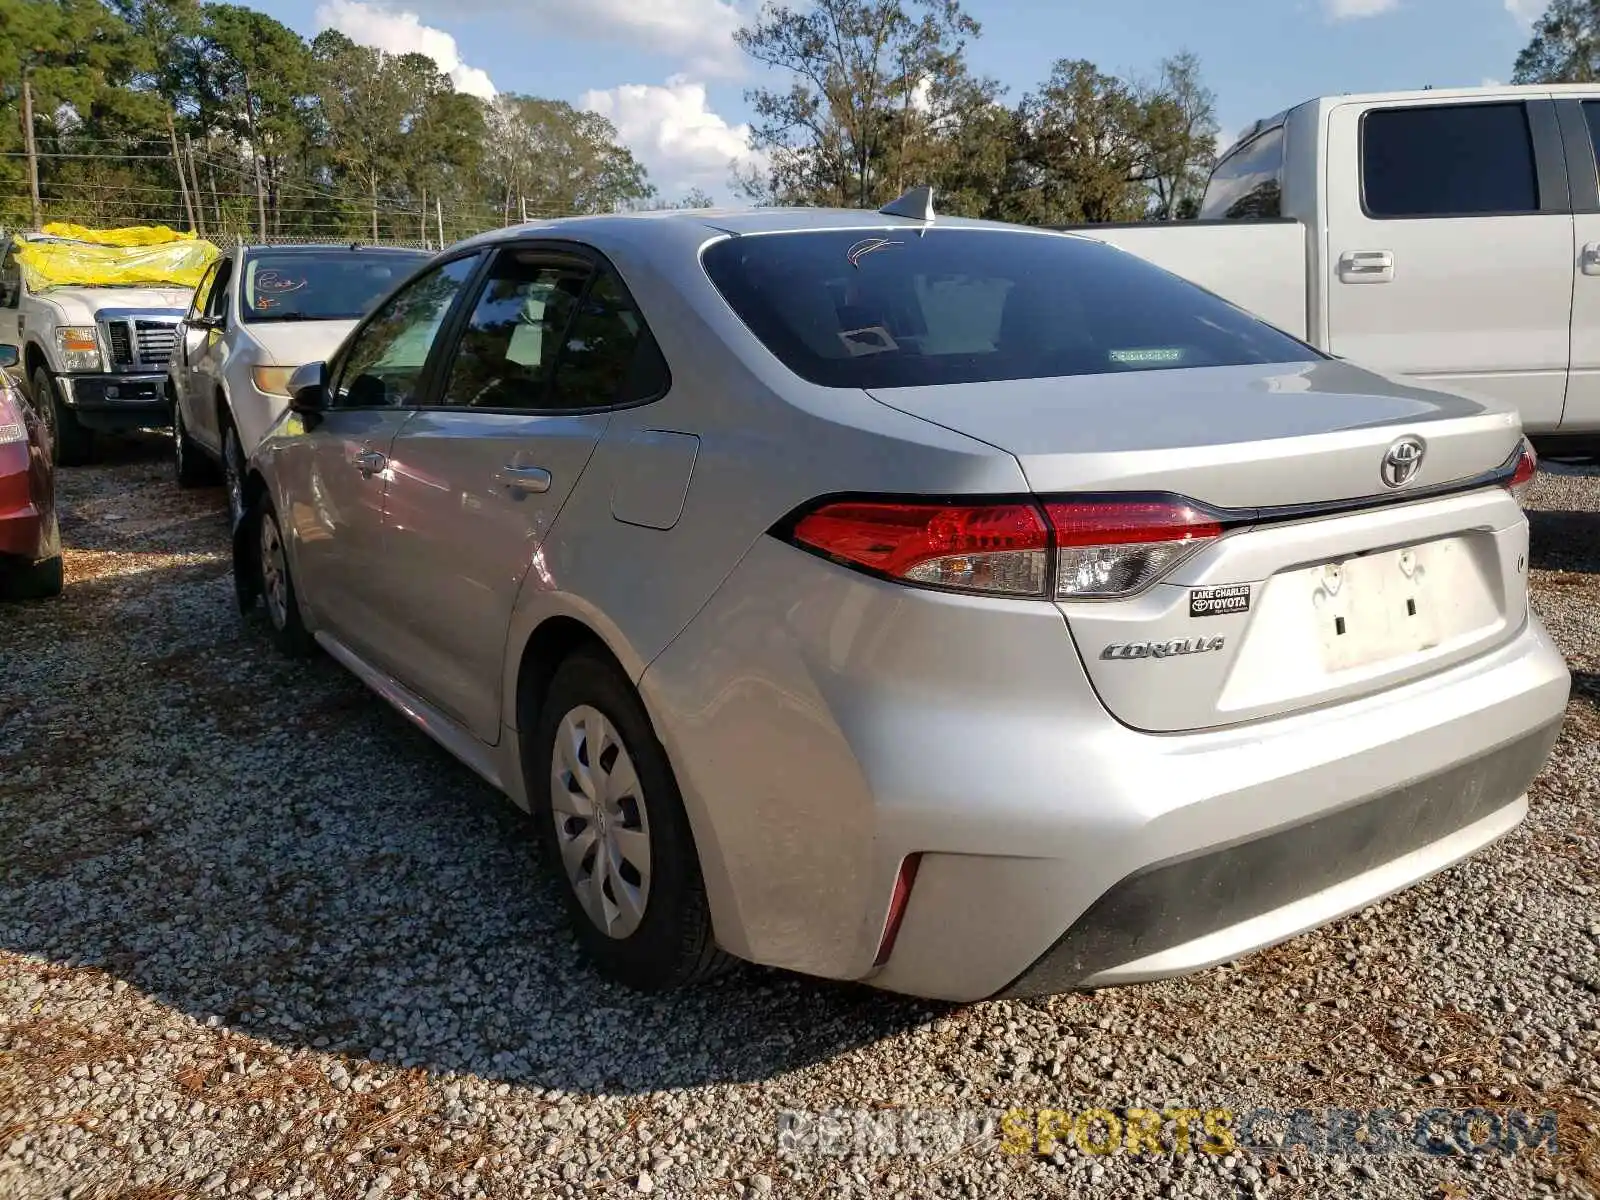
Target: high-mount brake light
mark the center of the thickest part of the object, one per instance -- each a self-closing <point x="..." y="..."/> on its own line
<point x="1101" y="548"/>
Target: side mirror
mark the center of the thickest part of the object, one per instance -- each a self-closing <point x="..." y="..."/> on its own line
<point x="308" y="388"/>
<point x="9" y="356"/>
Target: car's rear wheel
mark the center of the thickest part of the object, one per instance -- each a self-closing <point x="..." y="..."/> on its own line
<point x="189" y="461"/>
<point x="612" y="824"/>
<point x="71" y="445"/>
<point x="278" y="594"/>
<point x="31" y="581"/>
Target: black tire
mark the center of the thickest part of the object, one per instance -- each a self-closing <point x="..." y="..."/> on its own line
<point x="672" y="945"/>
<point x="190" y="465"/>
<point x="71" y="444"/>
<point x="284" y="623"/>
<point x="233" y="469"/>
<point x="31" y="581"/>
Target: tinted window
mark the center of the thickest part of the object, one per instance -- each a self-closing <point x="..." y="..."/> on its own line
<point x="609" y="356"/>
<point x="384" y="363"/>
<point x="1249" y="182"/>
<point x="1455" y="160"/>
<point x="913" y="307"/>
<point x="1591" y="114"/>
<point x="217" y="301"/>
<point x="333" y="285"/>
<point x="508" y="349"/>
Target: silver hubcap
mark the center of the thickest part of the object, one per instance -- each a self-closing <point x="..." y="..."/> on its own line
<point x="230" y="464"/>
<point x="602" y="827"/>
<point x="274" y="573"/>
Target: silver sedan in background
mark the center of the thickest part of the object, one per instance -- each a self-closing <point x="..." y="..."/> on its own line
<point x="966" y="609"/>
<point x="258" y="313"/>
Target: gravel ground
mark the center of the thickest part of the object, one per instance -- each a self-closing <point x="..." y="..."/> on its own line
<point x="260" y="938"/>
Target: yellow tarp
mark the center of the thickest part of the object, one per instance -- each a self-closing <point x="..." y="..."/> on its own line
<point x="134" y="256"/>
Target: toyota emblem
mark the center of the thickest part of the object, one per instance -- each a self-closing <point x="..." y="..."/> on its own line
<point x="1402" y="461"/>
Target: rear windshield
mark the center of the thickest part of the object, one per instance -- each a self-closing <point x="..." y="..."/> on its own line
<point x="341" y="285"/>
<point x="901" y="308"/>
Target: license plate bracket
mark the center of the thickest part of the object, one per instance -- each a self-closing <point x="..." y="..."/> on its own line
<point x="1379" y="606"/>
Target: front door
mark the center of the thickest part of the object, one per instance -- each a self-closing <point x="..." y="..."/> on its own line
<point x="191" y="340"/>
<point x="11" y="300"/>
<point x="344" y="470"/>
<point x="1452" y="259"/>
<point x="480" y="478"/>
<point x="206" y="356"/>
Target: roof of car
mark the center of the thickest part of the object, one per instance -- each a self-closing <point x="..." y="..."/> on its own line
<point x="708" y="222"/>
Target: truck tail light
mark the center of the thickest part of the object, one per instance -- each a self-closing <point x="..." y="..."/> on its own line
<point x="1097" y="548"/>
<point x="1521" y="481"/>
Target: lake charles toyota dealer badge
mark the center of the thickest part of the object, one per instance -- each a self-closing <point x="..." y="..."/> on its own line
<point x="1216" y="601"/>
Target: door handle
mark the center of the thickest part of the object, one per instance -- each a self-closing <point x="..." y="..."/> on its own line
<point x="527" y="479"/>
<point x="1589" y="264"/>
<point x="1366" y="266"/>
<point x="370" y="462"/>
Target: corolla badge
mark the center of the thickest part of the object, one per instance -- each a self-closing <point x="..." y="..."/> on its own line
<point x="1198" y="645"/>
<point x="1402" y="461"/>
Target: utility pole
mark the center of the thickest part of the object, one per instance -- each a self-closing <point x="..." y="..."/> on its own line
<point x="524" y="200"/>
<point x="255" y="154"/>
<point x="425" y="216"/>
<point x="194" y="187"/>
<point x="33" y="150"/>
<point x="438" y="211"/>
<point x="183" y="178"/>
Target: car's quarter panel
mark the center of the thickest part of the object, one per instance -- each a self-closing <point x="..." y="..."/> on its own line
<point x="1482" y="302"/>
<point x="462" y="533"/>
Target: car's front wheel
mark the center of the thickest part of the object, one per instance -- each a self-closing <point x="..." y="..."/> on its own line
<point x="612" y="823"/>
<point x="189" y="462"/>
<point x="275" y="580"/>
<point x="233" y="471"/>
<point x="32" y="581"/>
<point x="71" y="445"/>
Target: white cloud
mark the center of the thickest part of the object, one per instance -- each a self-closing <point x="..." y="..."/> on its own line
<point x="674" y="134"/>
<point x="1527" y="11"/>
<point x="1344" y="10"/>
<point x="403" y="33"/>
<point x="698" y="33"/>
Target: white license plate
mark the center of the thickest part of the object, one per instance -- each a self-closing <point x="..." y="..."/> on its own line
<point x="1384" y="605"/>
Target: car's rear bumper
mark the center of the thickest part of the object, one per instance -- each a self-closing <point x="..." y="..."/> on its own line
<point x="824" y="727"/>
<point x="117" y="402"/>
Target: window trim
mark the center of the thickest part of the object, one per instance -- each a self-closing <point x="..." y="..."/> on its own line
<point x="341" y="357"/>
<point x="1544" y="137"/>
<point x="202" y="291"/>
<point x="554" y="249"/>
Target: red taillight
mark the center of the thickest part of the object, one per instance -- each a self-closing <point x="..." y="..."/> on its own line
<point x="13" y="428"/>
<point x="897" y="906"/>
<point x="1521" y="481"/>
<point x="1108" y="549"/>
<point x="998" y="548"/>
<point x="1101" y="549"/>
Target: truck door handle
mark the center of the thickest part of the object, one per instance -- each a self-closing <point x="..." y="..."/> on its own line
<point x="370" y="462"/>
<point x="1366" y="266"/>
<point x="527" y="479"/>
<point x="1590" y="262"/>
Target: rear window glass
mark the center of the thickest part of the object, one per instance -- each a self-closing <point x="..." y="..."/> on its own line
<point x="1248" y="184"/>
<point x="904" y="307"/>
<point x="341" y="285"/>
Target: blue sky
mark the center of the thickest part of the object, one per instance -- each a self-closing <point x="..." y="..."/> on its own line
<point x="667" y="74"/>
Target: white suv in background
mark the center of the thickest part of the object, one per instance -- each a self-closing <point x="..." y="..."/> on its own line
<point x="258" y="314"/>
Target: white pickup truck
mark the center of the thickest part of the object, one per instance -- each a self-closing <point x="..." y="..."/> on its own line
<point x="93" y="358"/>
<point x="1449" y="235"/>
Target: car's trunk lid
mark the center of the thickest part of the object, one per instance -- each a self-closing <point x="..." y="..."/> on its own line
<point x="1323" y="588"/>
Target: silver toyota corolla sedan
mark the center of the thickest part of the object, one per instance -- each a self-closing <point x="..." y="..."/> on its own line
<point x="962" y="608"/>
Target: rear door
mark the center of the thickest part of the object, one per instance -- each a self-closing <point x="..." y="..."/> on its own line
<point x="1450" y="255"/>
<point x="480" y="475"/>
<point x="1580" y="130"/>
